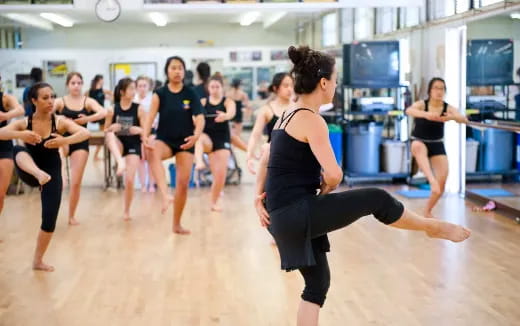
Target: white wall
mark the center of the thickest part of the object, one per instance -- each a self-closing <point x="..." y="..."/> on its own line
<point x="96" y="61"/>
<point x="96" y="36"/>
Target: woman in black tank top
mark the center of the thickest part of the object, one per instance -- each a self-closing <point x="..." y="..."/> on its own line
<point x="81" y="110"/>
<point x="282" y="87"/>
<point x="428" y="138"/>
<point x="242" y="104"/>
<point x="9" y="108"/>
<point x="216" y="139"/>
<point x="99" y="94"/>
<point x="298" y="173"/>
<point x="123" y="134"/>
<point x="181" y="122"/>
<point x="38" y="163"/>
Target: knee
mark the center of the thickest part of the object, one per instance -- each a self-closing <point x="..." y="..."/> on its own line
<point x="129" y="182"/>
<point x="417" y="149"/>
<point x="316" y="288"/>
<point x="387" y="208"/>
<point x="182" y="185"/>
<point x="48" y="225"/>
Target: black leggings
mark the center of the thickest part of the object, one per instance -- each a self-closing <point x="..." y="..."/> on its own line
<point x="51" y="191"/>
<point x="335" y="211"/>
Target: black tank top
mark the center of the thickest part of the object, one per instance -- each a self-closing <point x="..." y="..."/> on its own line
<point x="211" y="114"/>
<point x="73" y="114"/>
<point x="270" y="125"/>
<point x="3" y="109"/>
<point x="126" y="118"/>
<point x="293" y="171"/>
<point x="40" y="149"/>
<point x="429" y="130"/>
<point x="97" y="95"/>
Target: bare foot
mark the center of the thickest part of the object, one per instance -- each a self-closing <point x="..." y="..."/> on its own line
<point x="448" y="231"/>
<point x="126" y="217"/>
<point x="121" y="167"/>
<point x="143" y="189"/>
<point x="73" y="221"/>
<point x="200" y="166"/>
<point x="43" y="267"/>
<point x="151" y="189"/>
<point x="216" y="208"/>
<point x="167" y="201"/>
<point x="43" y="178"/>
<point x="180" y="230"/>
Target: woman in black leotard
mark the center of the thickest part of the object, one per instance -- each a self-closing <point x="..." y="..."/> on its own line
<point x="216" y="139"/>
<point x="428" y="138"/>
<point x="181" y="122"/>
<point x="38" y="163"/>
<point x="9" y="108"/>
<point x="82" y="110"/>
<point x="300" y="163"/>
<point x="282" y="87"/>
<point x="123" y="136"/>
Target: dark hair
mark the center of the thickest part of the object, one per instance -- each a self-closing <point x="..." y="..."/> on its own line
<point x="122" y="85"/>
<point x="432" y="81"/>
<point x="310" y="67"/>
<point x="94" y="82"/>
<point x="33" y="92"/>
<point x="36" y="75"/>
<point x="235" y="83"/>
<point x="169" y="60"/>
<point x="277" y="81"/>
<point x="204" y="72"/>
<point x="188" y="78"/>
<point x="70" y="75"/>
<point x="157" y="84"/>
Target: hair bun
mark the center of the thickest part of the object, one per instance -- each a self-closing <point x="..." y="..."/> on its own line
<point x="297" y="55"/>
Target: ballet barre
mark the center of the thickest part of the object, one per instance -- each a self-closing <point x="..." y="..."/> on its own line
<point x="496" y="124"/>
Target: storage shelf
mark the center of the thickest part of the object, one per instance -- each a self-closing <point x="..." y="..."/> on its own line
<point x="487" y="173"/>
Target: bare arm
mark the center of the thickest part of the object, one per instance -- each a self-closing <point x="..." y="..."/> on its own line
<point x="417" y="110"/>
<point x="108" y="119"/>
<point x="150" y="117"/>
<point x="256" y="134"/>
<point x="260" y="194"/>
<point x="14" y="109"/>
<point x="318" y="138"/>
<point x="454" y="114"/>
<point x="99" y="111"/>
<point x="231" y="109"/>
<point x="14" y="130"/>
<point x="77" y="132"/>
<point x="109" y="94"/>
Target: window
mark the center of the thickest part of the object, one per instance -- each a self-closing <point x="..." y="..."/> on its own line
<point x="329" y="30"/>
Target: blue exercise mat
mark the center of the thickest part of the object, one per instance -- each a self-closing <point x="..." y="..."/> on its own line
<point x="492" y="192"/>
<point x="414" y="193"/>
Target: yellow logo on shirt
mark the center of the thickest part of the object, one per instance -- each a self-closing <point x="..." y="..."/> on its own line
<point x="186" y="104"/>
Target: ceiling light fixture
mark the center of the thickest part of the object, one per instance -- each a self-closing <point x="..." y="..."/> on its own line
<point x="515" y="15"/>
<point x="158" y="19"/>
<point x="30" y="20"/>
<point x="249" y="18"/>
<point x="57" y="19"/>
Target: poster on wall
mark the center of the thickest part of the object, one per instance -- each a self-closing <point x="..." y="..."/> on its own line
<point x="57" y="68"/>
<point x="132" y="70"/>
<point x="277" y="55"/>
<point x="23" y="80"/>
<point x="245" y="56"/>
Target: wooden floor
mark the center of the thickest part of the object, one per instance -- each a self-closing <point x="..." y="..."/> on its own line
<point x="109" y="272"/>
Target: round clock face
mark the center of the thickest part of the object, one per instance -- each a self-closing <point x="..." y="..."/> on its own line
<point x="108" y="10"/>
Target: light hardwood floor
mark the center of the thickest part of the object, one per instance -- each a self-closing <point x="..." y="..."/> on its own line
<point x="109" y="272"/>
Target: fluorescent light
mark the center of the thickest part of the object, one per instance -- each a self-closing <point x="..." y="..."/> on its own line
<point x="57" y="19"/>
<point x="158" y="19"/>
<point x="249" y="18"/>
<point x="515" y="15"/>
<point x="274" y="18"/>
<point x="30" y="20"/>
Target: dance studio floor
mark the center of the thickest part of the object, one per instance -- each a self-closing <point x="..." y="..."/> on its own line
<point x="109" y="272"/>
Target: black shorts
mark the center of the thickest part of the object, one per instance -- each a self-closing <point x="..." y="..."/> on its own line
<point x="78" y="146"/>
<point x="220" y="140"/>
<point x="238" y="116"/>
<point x="6" y="149"/>
<point x="434" y="148"/>
<point x="175" y="145"/>
<point x="131" y="145"/>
